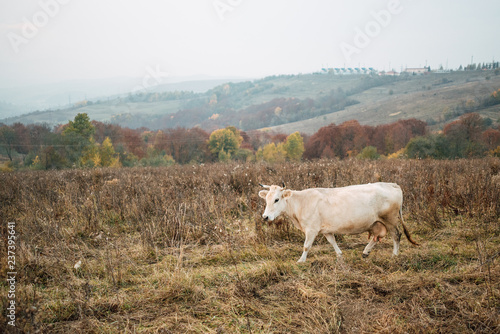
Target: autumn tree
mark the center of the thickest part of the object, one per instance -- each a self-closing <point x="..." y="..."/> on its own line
<point x="38" y="139"/>
<point x="133" y="142"/>
<point x="226" y="140"/>
<point x="161" y="142"/>
<point x="52" y="158"/>
<point x="491" y="138"/>
<point x="388" y="138"/>
<point x="352" y="138"/>
<point x="104" y="130"/>
<point x="294" y="146"/>
<point x="108" y="156"/>
<point x="272" y="153"/>
<point x="7" y="140"/>
<point x="323" y="143"/>
<point x="464" y="136"/>
<point x="90" y="156"/>
<point x="188" y="145"/>
<point x="22" y="143"/>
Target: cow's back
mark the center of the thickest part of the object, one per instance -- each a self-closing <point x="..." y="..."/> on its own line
<point x="352" y="209"/>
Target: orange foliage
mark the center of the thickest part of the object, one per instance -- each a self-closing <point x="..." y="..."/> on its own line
<point x="349" y="138"/>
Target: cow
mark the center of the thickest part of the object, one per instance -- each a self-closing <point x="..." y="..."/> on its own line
<point x="372" y="208"/>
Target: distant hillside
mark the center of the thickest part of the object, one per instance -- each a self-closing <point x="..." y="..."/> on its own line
<point x="295" y="102"/>
<point x="7" y="109"/>
<point x="61" y="95"/>
<point x="434" y="98"/>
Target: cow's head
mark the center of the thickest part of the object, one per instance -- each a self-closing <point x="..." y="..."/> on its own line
<point x="276" y="198"/>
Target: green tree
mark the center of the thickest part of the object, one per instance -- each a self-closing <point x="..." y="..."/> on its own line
<point x="80" y="126"/>
<point x="156" y="158"/>
<point x="431" y="146"/>
<point x="223" y="156"/>
<point x="77" y="137"/>
<point x="52" y="159"/>
<point x="369" y="152"/>
<point x="294" y="146"/>
<point x="227" y="140"/>
<point x="126" y="159"/>
<point x="420" y="148"/>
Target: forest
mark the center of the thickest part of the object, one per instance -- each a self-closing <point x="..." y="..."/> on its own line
<point x="85" y="143"/>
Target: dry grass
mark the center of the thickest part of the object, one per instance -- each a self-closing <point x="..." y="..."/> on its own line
<point x="182" y="249"/>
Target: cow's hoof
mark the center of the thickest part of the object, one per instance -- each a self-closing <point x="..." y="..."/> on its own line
<point x="365" y="256"/>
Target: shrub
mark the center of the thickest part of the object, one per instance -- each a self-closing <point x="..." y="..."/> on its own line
<point x="369" y="152"/>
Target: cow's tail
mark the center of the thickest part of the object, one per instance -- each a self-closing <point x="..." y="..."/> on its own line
<point x="405" y="230"/>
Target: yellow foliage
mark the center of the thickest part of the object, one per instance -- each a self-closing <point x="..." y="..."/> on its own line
<point x="115" y="163"/>
<point x="88" y="158"/>
<point x="7" y="167"/>
<point x="107" y="154"/>
<point x="96" y="159"/>
<point x="274" y="153"/>
<point x="397" y="155"/>
<point x="495" y="152"/>
<point x="228" y="140"/>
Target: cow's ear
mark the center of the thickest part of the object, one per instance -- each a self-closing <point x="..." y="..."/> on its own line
<point x="263" y="193"/>
<point x="287" y="193"/>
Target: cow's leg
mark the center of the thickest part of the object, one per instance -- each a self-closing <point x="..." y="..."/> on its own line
<point x="368" y="248"/>
<point x="392" y="227"/>
<point x="396" y="237"/>
<point x="377" y="232"/>
<point x="310" y="236"/>
<point x="331" y="238"/>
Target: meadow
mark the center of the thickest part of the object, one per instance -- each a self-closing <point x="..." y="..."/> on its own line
<point x="183" y="249"/>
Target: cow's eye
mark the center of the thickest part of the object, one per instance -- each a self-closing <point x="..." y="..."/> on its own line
<point x="276" y="200"/>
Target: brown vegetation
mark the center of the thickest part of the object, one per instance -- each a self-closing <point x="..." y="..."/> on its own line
<point x="183" y="249"/>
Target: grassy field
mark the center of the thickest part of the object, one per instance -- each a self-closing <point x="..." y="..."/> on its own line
<point x="183" y="249"/>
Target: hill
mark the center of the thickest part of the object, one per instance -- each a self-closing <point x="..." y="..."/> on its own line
<point x="434" y="98"/>
<point x="63" y="95"/>
<point x="291" y="103"/>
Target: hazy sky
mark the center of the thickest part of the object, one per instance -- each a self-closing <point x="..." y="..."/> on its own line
<point x="54" y="40"/>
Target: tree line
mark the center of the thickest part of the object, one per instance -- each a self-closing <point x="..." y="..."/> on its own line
<point x="85" y="143"/>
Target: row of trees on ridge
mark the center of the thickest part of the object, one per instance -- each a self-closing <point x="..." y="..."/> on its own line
<point x="85" y="143"/>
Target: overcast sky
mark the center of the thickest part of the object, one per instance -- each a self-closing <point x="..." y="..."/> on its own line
<point x="54" y="40"/>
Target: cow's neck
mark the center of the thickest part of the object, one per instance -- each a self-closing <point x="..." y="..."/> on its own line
<point x="292" y="212"/>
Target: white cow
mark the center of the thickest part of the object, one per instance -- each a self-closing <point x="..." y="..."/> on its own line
<point x="373" y="208"/>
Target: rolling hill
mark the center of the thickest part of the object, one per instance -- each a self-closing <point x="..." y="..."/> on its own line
<point x="291" y="103"/>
